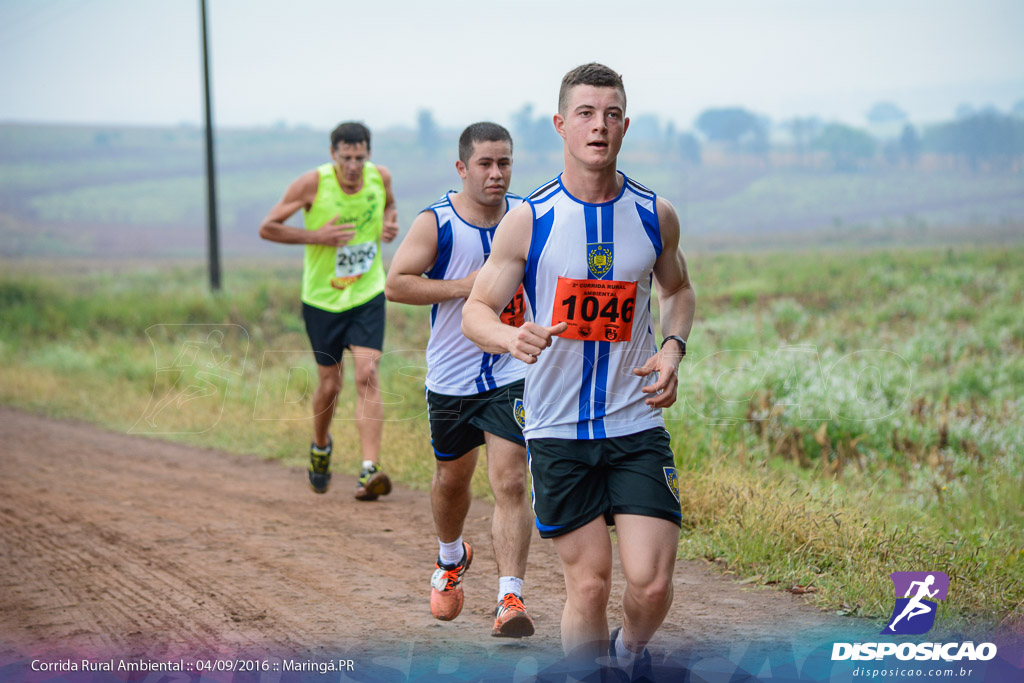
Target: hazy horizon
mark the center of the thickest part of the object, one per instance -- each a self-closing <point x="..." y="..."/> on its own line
<point x="122" y="63"/>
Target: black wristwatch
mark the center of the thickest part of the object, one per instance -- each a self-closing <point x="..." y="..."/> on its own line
<point x="675" y="337"/>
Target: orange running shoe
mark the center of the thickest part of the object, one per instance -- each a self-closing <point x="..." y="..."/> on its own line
<point x="446" y="586"/>
<point x="511" y="619"/>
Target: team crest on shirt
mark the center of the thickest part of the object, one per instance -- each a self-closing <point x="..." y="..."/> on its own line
<point x="672" y="479"/>
<point x="519" y="410"/>
<point x="600" y="256"/>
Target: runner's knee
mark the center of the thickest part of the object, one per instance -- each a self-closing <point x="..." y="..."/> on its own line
<point x="453" y="476"/>
<point x="591" y="591"/>
<point x="330" y="384"/>
<point x="654" y="593"/>
<point x="366" y="376"/>
<point x="509" y="486"/>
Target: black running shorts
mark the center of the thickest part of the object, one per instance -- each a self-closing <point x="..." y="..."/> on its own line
<point x="575" y="482"/>
<point x="331" y="333"/>
<point x="458" y="423"/>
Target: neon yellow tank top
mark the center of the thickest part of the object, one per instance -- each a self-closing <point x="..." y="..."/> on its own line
<point x="339" y="278"/>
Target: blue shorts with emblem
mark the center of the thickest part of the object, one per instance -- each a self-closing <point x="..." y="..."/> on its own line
<point x="458" y="423"/>
<point x="575" y="482"/>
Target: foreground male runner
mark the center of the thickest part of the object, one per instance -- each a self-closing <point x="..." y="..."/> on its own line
<point x="586" y="246"/>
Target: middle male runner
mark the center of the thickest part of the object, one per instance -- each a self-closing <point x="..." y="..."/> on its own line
<point x="473" y="398"/>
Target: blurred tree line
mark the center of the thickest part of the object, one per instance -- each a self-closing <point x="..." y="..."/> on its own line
<point x="978" y="140"/>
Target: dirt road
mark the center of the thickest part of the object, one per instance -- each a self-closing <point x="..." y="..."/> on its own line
<point x="115" y="545"/>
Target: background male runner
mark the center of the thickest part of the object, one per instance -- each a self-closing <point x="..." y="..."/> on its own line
<point x="585" y="247"/>
<point x="472" y="397"/>
<point x="348" y="207"/>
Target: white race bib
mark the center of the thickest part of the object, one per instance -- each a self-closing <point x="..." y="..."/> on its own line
<point x="355" y="259"/>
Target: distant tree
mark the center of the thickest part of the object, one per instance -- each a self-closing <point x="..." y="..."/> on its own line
<point x="964" y="110"/>
<point x="846" y="146"/>
<point x="534" y="134"/>
<point x="667" y="144"/>
<point x="910" y="145"/>
<point x="689" y="148"/>
<point x="729" y="124"/>
<point x="885" y="113"/>
<point x="757" y="142"/>
<point x="522" y="121"/>
<point x="428" y="134"/>
<point x="645" y="128"/>
<point x="679" y="147"/>
<point x="1018" y="109"/>
<point x="803" y="130"/>
<point x="985" y="137"/>
<point x="891" y="152"/>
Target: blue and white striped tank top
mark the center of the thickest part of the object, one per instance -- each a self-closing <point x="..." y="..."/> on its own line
<point x="455" y="366"/>
<point x="585" y="262"/>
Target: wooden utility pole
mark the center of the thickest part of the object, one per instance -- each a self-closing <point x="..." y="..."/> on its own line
<point x="213" y="241"/>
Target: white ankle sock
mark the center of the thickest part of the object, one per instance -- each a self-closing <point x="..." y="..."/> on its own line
<point x="509" y="584"/>
<point x="451" y="553"/>
<point x="623" y="654"/>
<point x="367" y="464"/>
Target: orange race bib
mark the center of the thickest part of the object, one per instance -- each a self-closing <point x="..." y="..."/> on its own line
<point x="514" y="313"/>
<point x="595" y="310"/>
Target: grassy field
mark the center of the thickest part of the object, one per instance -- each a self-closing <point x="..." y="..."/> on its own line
<point x="843" y="414"/>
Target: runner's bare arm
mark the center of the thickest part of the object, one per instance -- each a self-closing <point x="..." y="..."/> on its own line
<point x="390" y="231"/>
<point x="300" y="195"/>
<point x="677" y="302"/>
<point x="495" y="285"/>
<point x="415" y="255"/>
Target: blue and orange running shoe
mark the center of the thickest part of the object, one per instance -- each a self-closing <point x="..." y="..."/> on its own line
<point x="446" y="586"/>
<point x="511" y="619"/>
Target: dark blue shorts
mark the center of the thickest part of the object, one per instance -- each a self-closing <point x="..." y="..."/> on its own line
<point x="458" y="423"/>
<point x="331" y="333"/>
<point x="575" y="482"/>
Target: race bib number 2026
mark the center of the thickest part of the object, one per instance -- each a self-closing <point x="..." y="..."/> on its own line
<point x="353" y="260"/>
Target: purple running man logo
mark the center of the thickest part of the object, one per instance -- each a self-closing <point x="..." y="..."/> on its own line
<point x="914" y="613"/>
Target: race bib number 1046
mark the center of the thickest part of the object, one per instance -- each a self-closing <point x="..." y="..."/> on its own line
<point x="595" y="310"/>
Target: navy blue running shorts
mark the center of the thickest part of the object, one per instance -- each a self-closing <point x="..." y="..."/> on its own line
<point x="331" y="333"/>
<point x="458" y="423"/>
<point x="575" y="482"/>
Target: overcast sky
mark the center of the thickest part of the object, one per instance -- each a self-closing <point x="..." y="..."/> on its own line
<point x="317" y="62"/>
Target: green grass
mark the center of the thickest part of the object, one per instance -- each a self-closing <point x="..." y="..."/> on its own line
<point x="860" y="415"/>
<point x="843" y="415"/>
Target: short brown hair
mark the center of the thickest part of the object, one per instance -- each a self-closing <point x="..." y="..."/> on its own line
<point x="594" y="74"/>
<point x="485" y="131"/>
<point x="350" y="133"/>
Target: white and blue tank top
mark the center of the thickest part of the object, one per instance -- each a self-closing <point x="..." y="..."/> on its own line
<point x="591" y="265"/>
<point x="455" y="366"/>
